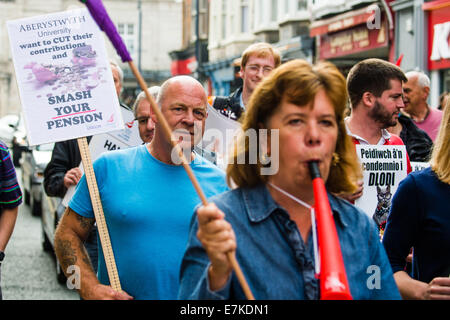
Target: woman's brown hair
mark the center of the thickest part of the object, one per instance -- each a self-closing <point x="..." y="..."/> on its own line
<point x="297" y="81"/>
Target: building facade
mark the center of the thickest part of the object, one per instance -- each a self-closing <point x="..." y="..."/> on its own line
<point x="425" y="25"/>
<point x="192" y="52"/>
<point x="349" y="31"/>
<point x="235" y="24"/>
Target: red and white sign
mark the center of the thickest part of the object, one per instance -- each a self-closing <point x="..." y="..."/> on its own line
<point x="353" y="40"/>
<point x="183" y="67"/>
<point x="438" y="34"/>
<point x="341" y="22"/>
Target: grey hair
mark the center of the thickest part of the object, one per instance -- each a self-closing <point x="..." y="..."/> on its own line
<point x="154" y="93"/>
<point x="119" y="69"/>
<point x="422" y="78"/>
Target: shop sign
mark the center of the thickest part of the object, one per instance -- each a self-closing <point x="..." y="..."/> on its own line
<point x="354" y="40"/>
<point x="438" y="35"/>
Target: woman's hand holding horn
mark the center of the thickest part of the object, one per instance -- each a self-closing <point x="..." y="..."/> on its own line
<point x="218" y="239"/>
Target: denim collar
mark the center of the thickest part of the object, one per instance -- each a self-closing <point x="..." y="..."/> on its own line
<point x="260" y="205"/>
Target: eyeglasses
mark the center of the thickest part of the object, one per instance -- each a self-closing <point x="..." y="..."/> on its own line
<point x="254" y="68"/>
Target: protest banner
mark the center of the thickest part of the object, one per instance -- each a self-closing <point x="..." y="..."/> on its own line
<point x="417" y="166"/>
<point x="67" y="91"/>
<point x="218" y="136"/>
<point x="110" y="141"/>
<point x="115" y="140"/>
<point x="64" y="77"/>
<point x="383" y="169"/>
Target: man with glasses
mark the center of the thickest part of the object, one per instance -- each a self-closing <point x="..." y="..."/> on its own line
<point x="257" y="62"/>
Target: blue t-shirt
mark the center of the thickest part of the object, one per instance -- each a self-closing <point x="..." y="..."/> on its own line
<point x="148" y="206"/>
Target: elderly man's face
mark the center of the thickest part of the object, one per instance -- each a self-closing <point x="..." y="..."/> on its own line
<point x="117" y="82"/>
<point x="145" y="123"/>
<point x="413" y="94"/>
<point x="184" y="107"/>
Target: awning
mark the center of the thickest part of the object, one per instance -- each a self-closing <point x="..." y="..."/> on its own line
<point x="343" y="21"/>
<point x="435" y="5"/>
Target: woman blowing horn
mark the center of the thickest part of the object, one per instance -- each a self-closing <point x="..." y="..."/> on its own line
<point x="268" y="217"/>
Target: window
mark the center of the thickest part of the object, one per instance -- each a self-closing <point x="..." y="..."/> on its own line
<point x="224" y="19"/>
<point x="130" y="28"/>
<point x="274" y="13"/>
<point x="127" y="32"/>
<point x="120" y="28"/>
<point x="130" y="45"/>
<point x="202" y="16"/>
<point x="203" y="26"/>
<point x="302" y="4"/>
<point x="232" y="26"/>
<point x="193" y="19"/>
<point x="244" y="17"/>
<point x="260" y="12"/>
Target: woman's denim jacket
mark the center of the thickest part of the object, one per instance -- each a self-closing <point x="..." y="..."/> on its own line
<point x="276" y="262"/>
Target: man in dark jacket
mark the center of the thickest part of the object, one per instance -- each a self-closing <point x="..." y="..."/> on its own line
<point x="418" y="142"/>
<point x="257" y="62"/>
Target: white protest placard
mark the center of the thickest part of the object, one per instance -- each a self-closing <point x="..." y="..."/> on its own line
<point x="64" y="77"/>
<point x="218" y="135"/>
<point x="115" y="140"/>
<point x="417" y="165"/>
<point x="383" y="169"/>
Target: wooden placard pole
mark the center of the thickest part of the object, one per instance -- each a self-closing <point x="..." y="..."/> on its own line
<point x="99" y="215"/>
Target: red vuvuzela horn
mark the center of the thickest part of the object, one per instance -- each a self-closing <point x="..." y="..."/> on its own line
<point x="333" y="279"/>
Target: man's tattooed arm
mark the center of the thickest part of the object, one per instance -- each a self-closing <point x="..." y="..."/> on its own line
<point x="70" y="234"/>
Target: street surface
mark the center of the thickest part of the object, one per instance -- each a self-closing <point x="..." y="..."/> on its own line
<point x="28" y="272"/>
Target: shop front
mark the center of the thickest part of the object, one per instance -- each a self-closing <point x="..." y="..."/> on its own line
<point x="353" y="36"/>
<point x="438" y="14"/>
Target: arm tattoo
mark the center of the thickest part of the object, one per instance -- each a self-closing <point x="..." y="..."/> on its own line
<point x="85" y="223"/>
<point x="67" y="248"/>
<point x="66" y="252"/>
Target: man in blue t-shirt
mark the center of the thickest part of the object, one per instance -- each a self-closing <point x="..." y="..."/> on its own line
<point x="148" y="201"/>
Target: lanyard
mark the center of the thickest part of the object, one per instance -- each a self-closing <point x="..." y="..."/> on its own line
<point x="313" y="224"/>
